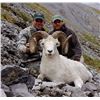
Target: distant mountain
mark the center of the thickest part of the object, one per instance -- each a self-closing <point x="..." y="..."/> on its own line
<point x="81" y="17"/>
<point x="94" y="5"/>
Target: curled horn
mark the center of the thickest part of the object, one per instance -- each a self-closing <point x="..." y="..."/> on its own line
<point x="65" y="45"/>
<point x="33" y="41"/>
<point x="62" y="37"/>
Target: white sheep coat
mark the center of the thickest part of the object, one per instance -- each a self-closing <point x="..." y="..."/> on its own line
<point x="58" y="68"/>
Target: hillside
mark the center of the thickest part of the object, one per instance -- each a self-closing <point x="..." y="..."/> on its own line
<point x="84" y="20"/>
<point x="77" y="17"/>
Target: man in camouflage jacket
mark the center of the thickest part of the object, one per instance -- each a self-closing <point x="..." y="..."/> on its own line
<point x="22" y="44"/>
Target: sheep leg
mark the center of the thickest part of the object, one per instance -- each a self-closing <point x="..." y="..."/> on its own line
<point x="41" y="76"/>
<point x="78" y="82"/>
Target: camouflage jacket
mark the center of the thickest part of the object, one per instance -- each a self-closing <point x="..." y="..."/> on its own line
<point x="23" y="38"/>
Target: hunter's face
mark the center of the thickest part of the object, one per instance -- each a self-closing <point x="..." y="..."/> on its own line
<point x="57" y="24"/>
<point x="38" y="23"/>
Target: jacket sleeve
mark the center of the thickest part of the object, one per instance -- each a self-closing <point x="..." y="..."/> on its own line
<point x="22" y="40"/>
<point x="76" y="48"/>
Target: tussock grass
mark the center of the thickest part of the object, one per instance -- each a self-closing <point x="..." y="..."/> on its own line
<point x="93" y="62"/>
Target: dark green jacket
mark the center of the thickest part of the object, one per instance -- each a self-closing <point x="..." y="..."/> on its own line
<point x="74" y="49"/>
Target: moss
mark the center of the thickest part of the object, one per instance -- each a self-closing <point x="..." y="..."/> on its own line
<point x="6" y="15"/>
<point x="96" y="10"/>
<point x="16" y="12"/>
<point x="93" y="42"/>
<point x="93" y="62"/>
<point x="4" y="6"/>
<point x="91" y="38"/>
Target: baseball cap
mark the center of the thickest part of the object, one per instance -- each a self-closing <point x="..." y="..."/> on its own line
<point x="57" y="17"/>
<point x="38" y="16"/>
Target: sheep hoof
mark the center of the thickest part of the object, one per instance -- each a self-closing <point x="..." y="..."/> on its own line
<point x="40" y="76"/>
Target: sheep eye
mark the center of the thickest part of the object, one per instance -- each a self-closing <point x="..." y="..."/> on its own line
<point x="42" y="43"/>
<point x="57" y="44"/>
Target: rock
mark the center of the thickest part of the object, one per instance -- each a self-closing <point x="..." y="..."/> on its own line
<point x="68" y="88"/>
<point x="46" y="90"/>
<point x="38" y="81"/>
<point x="20" y="90"/>
<point x="89" y="93"/>
<point x="89" y="86"/>
<point x="2" y="93"/>
<point x="12" y="75"/>
<point x="34" y="68"/>
<point x="98" y="87"/>
<point x="7" y="90"/>
<point x="37" y="85"/>
<point x="35" y="88"/>
<point x="97" y="78"/>
<point x="30" y="81"/>
<point x="7" y="66"/>
<point x="9" y="32"/>
<point x="68" y="93"/>
<point x="9" y="54"/>
<point x="73" y="91"/>
<point x="51" y="84"/>
<point x="78" y="93"/>
<point x="96" y="94"/>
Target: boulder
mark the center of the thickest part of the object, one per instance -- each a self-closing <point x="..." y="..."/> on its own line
<point x="20" y="89"/>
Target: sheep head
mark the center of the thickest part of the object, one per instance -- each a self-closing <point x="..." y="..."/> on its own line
<point x="49" y="45"/>
<point x="33" y="41"/>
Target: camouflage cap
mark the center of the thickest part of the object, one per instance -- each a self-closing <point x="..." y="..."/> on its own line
<point x="38" y="16"/>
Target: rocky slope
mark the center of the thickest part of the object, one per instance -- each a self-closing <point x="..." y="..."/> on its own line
<point x="15" y="17"/>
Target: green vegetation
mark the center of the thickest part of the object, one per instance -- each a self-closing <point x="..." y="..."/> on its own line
<point x="6" y="15"/>
<point x="21" y="14"/>
<point x="39" y="8"/>
<point x="93" y="62"/>
<point x="8" y="11"/>
<point x="91" y="38"/>
<point x="96" y="10"/>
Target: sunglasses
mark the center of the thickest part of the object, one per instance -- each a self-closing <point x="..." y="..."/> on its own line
<point x="39" y="20"/>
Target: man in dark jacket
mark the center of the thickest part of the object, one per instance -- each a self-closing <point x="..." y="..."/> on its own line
<point x="74" y="49"/>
